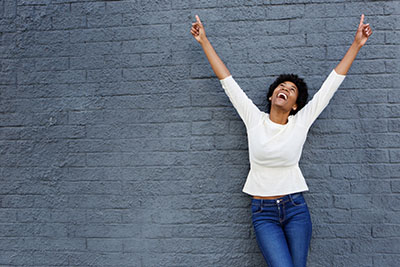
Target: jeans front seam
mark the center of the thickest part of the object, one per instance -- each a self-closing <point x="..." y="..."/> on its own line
<point x="283" y="213"/>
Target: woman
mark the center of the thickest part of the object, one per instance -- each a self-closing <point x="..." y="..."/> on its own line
<point x="280" y="215"/>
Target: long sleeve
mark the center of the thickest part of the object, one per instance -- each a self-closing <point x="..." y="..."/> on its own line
<point x="308" y="114"/>
<point x="248" y="111"/>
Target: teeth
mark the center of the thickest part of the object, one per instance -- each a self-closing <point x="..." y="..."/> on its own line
<point x="285" y="96"/>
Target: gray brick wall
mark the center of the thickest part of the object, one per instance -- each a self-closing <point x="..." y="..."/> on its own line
<point x="120" y="148"/>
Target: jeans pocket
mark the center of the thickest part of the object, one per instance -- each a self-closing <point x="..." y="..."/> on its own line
<point x="297" y="200"/>
<point x="255" y="209"/>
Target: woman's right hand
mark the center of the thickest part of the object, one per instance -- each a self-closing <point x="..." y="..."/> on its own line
<point x="216" y="63"/>
<point x="198" y="31"/>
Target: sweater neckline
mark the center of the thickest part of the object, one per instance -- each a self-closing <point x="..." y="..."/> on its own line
<point x="277" y="125"/>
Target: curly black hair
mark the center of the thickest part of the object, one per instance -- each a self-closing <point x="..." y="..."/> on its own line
<point x="302" y="97"/>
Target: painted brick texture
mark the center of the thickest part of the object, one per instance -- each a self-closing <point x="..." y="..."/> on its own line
<point x="118" y="146"/>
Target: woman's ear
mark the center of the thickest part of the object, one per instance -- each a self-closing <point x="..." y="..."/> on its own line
<point x="294" y="107"/>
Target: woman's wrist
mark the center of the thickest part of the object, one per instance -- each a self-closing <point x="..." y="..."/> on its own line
<point x="356" y="45"/>
<point x="204" y="41"/>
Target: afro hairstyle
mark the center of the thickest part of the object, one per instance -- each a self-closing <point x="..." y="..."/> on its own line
<point x="302" y="97"/>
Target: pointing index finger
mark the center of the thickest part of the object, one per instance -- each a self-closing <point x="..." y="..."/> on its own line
<point x="361" y="20"/>
<point x="198" y="19"/>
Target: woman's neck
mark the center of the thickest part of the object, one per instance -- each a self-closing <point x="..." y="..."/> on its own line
<point x="278" y="116"/>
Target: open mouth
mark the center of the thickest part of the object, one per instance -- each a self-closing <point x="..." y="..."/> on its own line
<point x="283" y="96"/>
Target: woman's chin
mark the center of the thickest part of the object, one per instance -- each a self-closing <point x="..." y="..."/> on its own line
<point x="281" y="106"/>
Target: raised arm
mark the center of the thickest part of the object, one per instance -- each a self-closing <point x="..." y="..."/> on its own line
<point x="217" y="65"/>
<point x="248" y="111"/>
<point x="321" y="99"/>
<point x="363" y="33"/>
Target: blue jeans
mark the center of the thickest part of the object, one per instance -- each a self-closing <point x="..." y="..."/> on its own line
<point x="283" y="229"/>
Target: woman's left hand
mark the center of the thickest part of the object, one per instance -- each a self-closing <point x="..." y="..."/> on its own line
<point x="363" y="32"/>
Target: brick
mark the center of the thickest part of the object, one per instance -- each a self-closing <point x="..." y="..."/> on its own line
<point x="36" y="230"/>
<point x="9" y="9"/>
<point x="121" y="7"/>
<point x="104" y="232"/>
<point x="159" y="17"/>
<point x="202" y="143"/>
<point x="373" y="216"/>
<point x="137" y="131"/>
<point x="89" y="35"/>
<point x="261" y="28"/>
<point x="68" y="215"/>
<point x="54" y="258"/>
<point x="7" y="26"/>
<point x="149" y="31"/>
<point x="103" y="216"/>
<point x="98" y="201"/>
<point x="339" y="245"/>
<point x="385" y="259"/>
<point x="313" y="27"/>
<point x="325" y="10"/>
<point x="104" y="244"/>
<point x="385" y="231"/>
<point x="268" y="42"/>
<point x="101" y="258"/>
<point x="351" y="260"/>
<point x="88" y="8"/>
<point x="68" y="22"/>
<point x="210" y="128"/>
<point x="289" y="1"/>
<point x="14" y="65"/>
<point x="8" y="78"/>
<point x="32" y="215"/>
<point x="13" y="119"/>
<point x="286" y="54"/>
<point x="52" y="64"/>
<point x="51" y="77"/>
<point x="242" y="13"/>
<point x="105" y="34"/>
<point x="90" y="62"/>
<point x="324" y="186"/>
<point x="104" y="20"/>
<point x="104" y="75"/>
<point x="101" y="48"/>
<point x="90" y="187"/>
<point x="49" y="37"/>
<point x="8" y="215"/>
<point x="158" y="6"/>
<point x="285" y="12"/>
<point x="368" y="9"/>
<point x="380" y="52"/>
<point x="391" y="8"/>
<point x="361" y="187"/>
<point x="386" y="245"/>
<point x="386" y="22"/>
<point x="34" y="257"/>
<point x="141" y="46"/>
<point x="56" y="49"/>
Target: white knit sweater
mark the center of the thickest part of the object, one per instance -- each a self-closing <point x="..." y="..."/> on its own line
<point x="275" y="149"/>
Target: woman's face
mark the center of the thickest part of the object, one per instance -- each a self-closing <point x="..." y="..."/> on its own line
<point x="284" y="96"/>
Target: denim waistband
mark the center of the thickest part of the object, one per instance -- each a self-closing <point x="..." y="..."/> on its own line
<point x="274" y="201"/>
